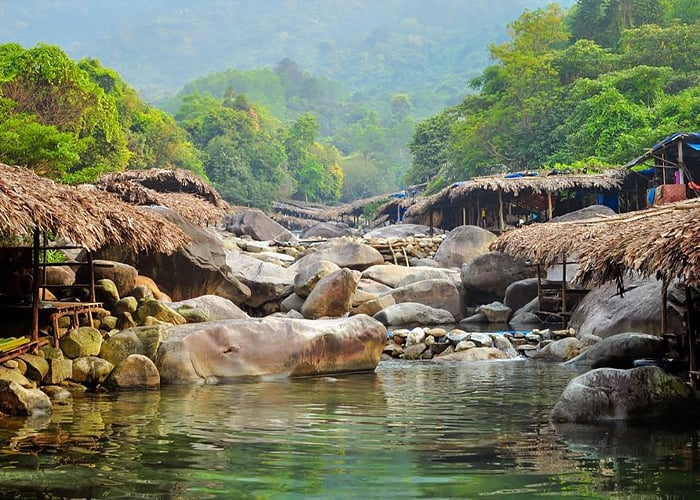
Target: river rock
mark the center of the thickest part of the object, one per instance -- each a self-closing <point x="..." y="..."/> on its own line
<point x="607" y="394"/>
<point x="214" y="306"/>
<point x="14" y="375"/>
<point x="519" y="293"/>
<point x="438" y="293"/>
<point x="332" y="295"/>
<point x="413" y="352"/>
<point x="495" y="312"/>
<point x="604" y="312"/>
<point x="267" y="282"/>
<point x="91" y="371"/>
<point x="462" y="244"/>
<point x="143" y="340"/>
<point x="122" y="274"/>
<point x="127" y="304"/>
<point x="141" y="292"/>
<point x="135" y="372"/>
<point x="413" y="313"/>
<point x="153" y="288"/>
<point x="292" y="303"/>
<point x="81" y="341"/>
<point x="231" y="288"/>
<point x="269" y="346"/>
<point x="429" y="273"/>
<point x="372" y="306"/>
<point x="621" y="350"/>
<point x="474" y="354"/>
<point x="486" y="277"/>
<point x="327" y="230"/>
<point x="158" y="310"/>
<point x="106" y="291"/>
<point x="59" y="275"/>
<point x="18" y="400"/>
<point x="400" y="231"/>
<point x="310" y="273"/>
<point x="37" y="367"/>
<point x="559" y="350"/>
<point x="257" y="225"/>
<point x="345" y="253"/>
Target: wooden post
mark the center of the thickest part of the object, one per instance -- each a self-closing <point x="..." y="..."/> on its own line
<point x="35" y="289"/>
<point x="664" y="303"/>
<point x="431" y="222"/>
<point x="550" y="207"/>
<point x="464" y="216"/>
<point x="681" y="165"/>
<point x="501" y="223"/>
<point x="92" y="276"/>
<point x="691" y="329"/>
<point x="563" y="288"/>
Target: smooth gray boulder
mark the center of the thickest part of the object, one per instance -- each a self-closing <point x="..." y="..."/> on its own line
<point x="135" y="372"/>
<point x="344" y="252"/>
<point x="607" y="394"/>
<point x="621" y="350"/>
<point x="267" y="282"/>
<point x="486" y="277"/>
<point x="214" y="306"/>
<point x="462" y="244"/>
<point x="327" y="230"/>
<point x="604" y="312"/>
<point x="277" y="346"/>
<point x="16" y="399"/>
<point x="413" y="313"/>
<point x="436" y="293"/>
<point x="257" y="225"/>
<point x="310" y="273"/>
<point x="519" y="293"/>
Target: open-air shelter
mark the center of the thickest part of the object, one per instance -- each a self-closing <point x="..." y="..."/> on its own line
<point x="32" y="206"/>
<point x="659" y="242"/>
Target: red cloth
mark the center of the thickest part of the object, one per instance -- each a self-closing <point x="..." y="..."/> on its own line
<point x="668" y="193"/>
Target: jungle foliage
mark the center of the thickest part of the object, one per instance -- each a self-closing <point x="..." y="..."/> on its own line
<point x="593" y="86"/>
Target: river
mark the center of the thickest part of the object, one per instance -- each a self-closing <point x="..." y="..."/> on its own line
<point x="407" y="430"/>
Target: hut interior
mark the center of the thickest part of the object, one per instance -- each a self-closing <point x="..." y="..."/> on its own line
<point x="669" y="171"/>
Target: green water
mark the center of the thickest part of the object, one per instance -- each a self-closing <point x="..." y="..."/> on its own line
<point x="408" y="430"/>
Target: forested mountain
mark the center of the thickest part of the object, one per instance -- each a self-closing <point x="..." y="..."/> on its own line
<point x="376" y="48"/>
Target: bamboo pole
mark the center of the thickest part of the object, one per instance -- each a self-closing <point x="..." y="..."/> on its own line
<point x="550" y="205"/>
<point x="35" y="289"/>
<point x="664" y="304"/>
<point x="501" y="223"/>
<point x="691" y="329"/>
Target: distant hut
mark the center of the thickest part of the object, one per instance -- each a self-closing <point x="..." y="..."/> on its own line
<point x="179" y="190"/>
<point x="668" y="172"/>
<point x="498" y="201"/>
<point x="31" y="205"/>
<point x="660" y="242"/>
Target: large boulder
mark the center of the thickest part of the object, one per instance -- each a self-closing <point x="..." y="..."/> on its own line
<point x="195" y="269"/>
<point x="91" y="371"/>
<point x="16" y="399"/>
<point x="135" y="372"/>
<point x="143" y="340"/>
<point x="267" y="282"/>
<point x="475" y="354"/>
<point x="121" y="274"/>
<point x="607" y="394"/>
<point x="604" y="312"/>
<point x="345" y="253"/>
<point x="413" y="313"/>
<point x="269" y="346"/>
<point x="436" y="293"/>
<point x="81" y="341"/>
<point x="310" y="273"/>
<point x="462" y="244"/>
<point x="399" y="231"/>
<point x="231" y="288"/>
<point x="585" y="213"/>
<point x="332" y="295"/>
<point x="486" y="277"/>
<point x="621" y="350"/>
<point x="519" y="293"/>
<point x="327" y="230"/>
<point x="395" y="276"/>
<point x="214" y="306"/>
<point x="257" y="225"/>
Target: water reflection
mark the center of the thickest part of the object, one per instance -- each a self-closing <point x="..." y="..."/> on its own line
<point x="410" y="429"/>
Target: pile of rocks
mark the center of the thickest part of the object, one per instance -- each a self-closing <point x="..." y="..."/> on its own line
<point x="456" y="344"/>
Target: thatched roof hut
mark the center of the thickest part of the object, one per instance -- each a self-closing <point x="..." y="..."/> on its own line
<point x="528" y="191"/>
<point x="180" y="190"/>
<point x="85" y="216"/>
<point x="659" y="242"/>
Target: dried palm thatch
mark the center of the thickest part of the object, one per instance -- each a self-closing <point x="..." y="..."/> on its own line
<point x="659" y="242"/>
<point x="355" y="208"/>
<point x="179" y="190"/>
<point x="85" y="216"/>
<point x="457" y="192"/>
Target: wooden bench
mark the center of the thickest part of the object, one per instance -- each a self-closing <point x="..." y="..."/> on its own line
<point x="73" y="310"/>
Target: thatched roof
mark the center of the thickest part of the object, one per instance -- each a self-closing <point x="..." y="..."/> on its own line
<point x="516" y="183"/>
<point x="179" y="190"/>
<point x="85" y="216"/>
<point x="355" y="208"/>
<point x="660" y="242"/>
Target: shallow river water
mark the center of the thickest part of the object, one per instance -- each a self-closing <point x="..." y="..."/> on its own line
<point x="407" y="430"/>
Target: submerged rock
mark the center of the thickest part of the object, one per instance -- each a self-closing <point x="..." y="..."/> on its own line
<point x="607" y="394"/>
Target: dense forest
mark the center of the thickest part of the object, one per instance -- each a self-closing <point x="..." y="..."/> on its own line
<point x="570" y="89"/>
